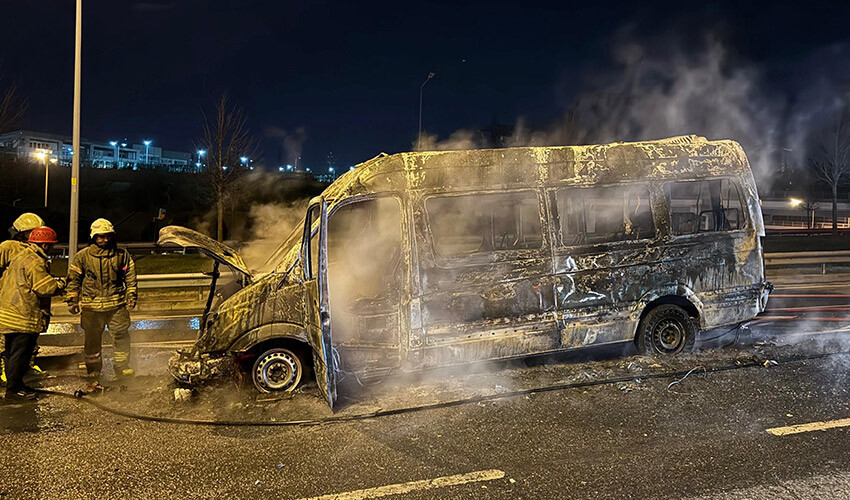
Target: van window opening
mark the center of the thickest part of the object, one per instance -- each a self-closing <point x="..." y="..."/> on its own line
<point x="469" y="224"/>
<point x="705" y="206"/>
<point x="604" y="214"/>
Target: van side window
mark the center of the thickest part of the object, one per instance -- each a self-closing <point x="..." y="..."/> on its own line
<point x="705" y="206"/>
<point x="484" y="222"/>
<point x="604" y="214"/>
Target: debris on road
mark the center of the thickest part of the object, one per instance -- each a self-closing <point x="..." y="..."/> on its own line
<point x="182" y="394"/>
<point x="686" y="376"/>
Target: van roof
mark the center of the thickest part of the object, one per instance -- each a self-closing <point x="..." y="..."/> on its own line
<point x="679" y="157"/>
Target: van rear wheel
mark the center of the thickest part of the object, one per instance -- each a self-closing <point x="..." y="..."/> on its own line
<point x="277" y="370"/>
<point x="665" y="330"/>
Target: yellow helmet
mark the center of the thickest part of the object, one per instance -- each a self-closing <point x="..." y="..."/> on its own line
<point x="101" y="226"/>
<point x="27" y="222"/>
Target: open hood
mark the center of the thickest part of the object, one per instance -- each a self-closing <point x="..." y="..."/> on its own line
<point x="187" y="238"/>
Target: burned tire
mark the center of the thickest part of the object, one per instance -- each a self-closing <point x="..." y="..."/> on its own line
<point x="277" y="370"/>
<point x="666" y="330"/>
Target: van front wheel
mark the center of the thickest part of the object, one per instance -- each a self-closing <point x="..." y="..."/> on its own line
<point x="667" y="329"/>
<point x="277" y="370"/>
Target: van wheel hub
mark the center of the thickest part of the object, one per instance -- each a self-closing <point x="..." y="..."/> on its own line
<point x="277" y="370"/>
<point x="670" y="335"/>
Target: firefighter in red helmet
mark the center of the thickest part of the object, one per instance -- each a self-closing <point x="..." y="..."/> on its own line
<point x="19" y="233"/>
<point x="25" y="291"/>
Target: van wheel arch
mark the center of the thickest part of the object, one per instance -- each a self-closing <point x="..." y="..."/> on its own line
<point x="674" y="309"/>
<point x="677" y="300"/>
<point x="248" y="359"/>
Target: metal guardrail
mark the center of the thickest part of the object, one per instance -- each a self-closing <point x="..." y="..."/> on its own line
<point x="791" y="258"/>
<point x="135" y="248"/>
<point x="796" y="232"/>
<point x="185" y="280"/>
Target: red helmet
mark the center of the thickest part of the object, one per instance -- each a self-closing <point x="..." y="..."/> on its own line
<point x="43" y="234"/>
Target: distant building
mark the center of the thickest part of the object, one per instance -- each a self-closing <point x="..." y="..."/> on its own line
<point x="112" y="154"/>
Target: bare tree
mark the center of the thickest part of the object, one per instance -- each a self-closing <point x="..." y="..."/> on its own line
<point x="832" y="163"/>
<point x="226" y="140"/>
<point x="12" y="106"/>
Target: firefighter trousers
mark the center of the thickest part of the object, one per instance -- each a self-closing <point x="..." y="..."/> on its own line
<point x="118" y="322"/>
<point x="19" y="348"/>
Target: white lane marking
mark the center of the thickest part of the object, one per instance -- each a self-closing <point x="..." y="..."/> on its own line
<point x="813" y="426"/>
<point x="425" y="484"/>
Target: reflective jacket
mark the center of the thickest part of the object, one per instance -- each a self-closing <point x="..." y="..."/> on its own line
<point x="101" y="279"/>
<point x="25" y="291"/>
<point x="9" y="249"/>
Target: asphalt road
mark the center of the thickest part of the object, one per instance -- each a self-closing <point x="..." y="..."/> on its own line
<point x="712" y="434"/>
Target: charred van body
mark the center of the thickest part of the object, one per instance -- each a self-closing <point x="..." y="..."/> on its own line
<point x="420" y="260"/>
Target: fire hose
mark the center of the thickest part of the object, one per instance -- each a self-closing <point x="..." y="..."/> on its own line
<point x="677" y="375"/>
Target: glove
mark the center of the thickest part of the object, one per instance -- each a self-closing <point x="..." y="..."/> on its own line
<point x="131" y="303"/>
<point x="73" y="308"/>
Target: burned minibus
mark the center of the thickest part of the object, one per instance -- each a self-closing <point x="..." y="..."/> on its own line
<point x="420" y="260"/>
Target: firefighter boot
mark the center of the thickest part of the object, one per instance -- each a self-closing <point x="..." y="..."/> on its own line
<point x="34" y="368"/>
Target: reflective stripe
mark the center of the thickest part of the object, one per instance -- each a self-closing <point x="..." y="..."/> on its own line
<point x="76" y="269"/>
<point x="43" y="281"/>
<point x="103" y="303"/>
<point x="121" y="356"/>
<point x="16" y="323"/>
<point x="92" y="357"/>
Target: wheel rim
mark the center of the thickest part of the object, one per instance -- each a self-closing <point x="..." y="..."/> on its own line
<point x="277" y="370"/>
<point x="669" y="336"/>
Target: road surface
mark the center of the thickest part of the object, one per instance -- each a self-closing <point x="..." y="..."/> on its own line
<point x="767" y="419"/>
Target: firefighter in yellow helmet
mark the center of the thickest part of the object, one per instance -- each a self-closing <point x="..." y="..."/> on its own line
<point x="19" y="232"/>
<point x="25" y="292"/>
<point x="102" y="283"/>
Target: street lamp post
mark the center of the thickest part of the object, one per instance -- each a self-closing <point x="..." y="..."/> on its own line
<point x="114" y="145"/>
<point x="421" y="87"/>
<point x="42" y="156"/>
<point x="809" y="206"/>
<point x="201" y="153"/>
<point x="147" y="148"/>
<point x="75" y="161"/>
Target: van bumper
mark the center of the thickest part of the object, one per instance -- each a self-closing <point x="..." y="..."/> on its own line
<point x="191" y="368"/>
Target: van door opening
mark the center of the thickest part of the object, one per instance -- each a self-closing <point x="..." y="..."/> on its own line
<point x="366" y="277"/>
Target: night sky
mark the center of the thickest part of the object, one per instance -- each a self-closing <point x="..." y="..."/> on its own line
<point x="345" y="76"/>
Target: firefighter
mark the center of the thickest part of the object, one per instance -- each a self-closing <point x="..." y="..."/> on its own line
<point x="102" y="282"/>
<point x="26" y="288"/>
<point x="19" y="232"/>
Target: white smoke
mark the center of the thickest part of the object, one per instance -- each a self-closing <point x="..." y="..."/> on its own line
<point x="270" y="224"/>
<point x="660" y="89"/>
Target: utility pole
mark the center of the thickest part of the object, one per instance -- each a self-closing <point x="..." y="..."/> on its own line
<point x="75" y="160"/>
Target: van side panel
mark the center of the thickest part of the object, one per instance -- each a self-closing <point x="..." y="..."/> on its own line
<point x="493" y="298"/>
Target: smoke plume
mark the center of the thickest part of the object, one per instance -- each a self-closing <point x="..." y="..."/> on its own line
<point x="291" y="143"/>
